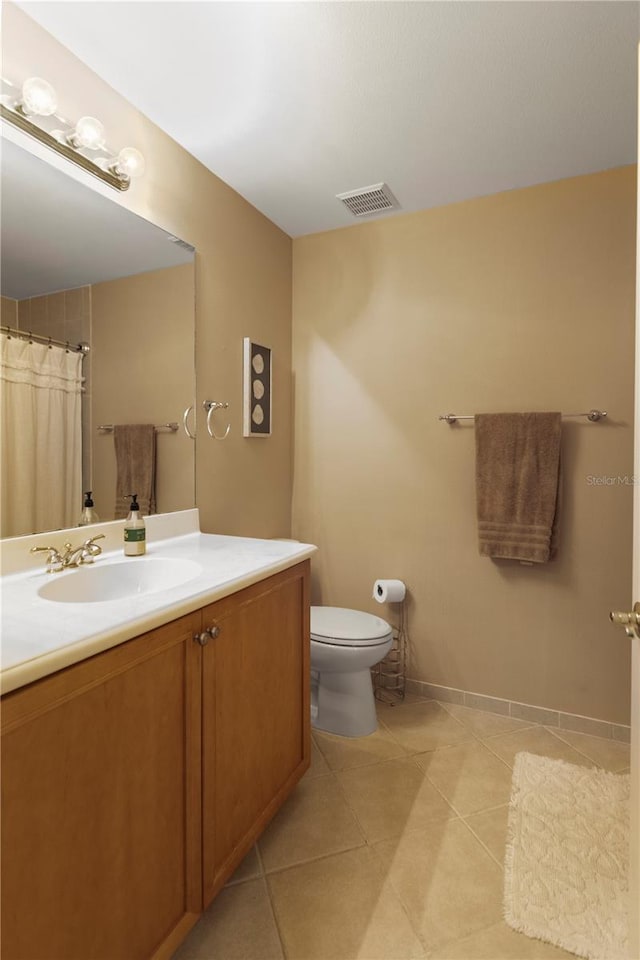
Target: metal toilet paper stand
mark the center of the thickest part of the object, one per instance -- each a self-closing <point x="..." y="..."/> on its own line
<point x="389" y="676"/>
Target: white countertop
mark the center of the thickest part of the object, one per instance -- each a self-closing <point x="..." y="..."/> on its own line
<point x="41" y="636"/>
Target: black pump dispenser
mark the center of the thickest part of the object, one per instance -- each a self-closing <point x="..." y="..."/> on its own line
<point x="134" y="501"/>
<point x="89" y="515"/>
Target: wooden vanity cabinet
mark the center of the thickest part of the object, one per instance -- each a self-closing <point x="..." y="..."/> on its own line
<point x="137" y="779"/>
<point x="100" y="769"/>
<point x="255" y="715"/>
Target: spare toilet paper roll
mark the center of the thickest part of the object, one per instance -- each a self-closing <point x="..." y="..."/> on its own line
<point x="389" y="591"/>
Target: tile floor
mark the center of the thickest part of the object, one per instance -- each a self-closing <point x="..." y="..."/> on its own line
<point x="391" y="847"/>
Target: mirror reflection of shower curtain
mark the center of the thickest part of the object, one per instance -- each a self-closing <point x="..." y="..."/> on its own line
<point x="41" y="439"/>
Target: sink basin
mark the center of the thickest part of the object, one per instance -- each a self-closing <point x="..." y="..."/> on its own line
<point x="119" y="581"/>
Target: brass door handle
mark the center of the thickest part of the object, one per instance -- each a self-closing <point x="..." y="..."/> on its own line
<point x="630" y="621"/>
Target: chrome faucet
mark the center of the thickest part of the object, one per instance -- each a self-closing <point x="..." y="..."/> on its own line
<point x="71" y="556"/>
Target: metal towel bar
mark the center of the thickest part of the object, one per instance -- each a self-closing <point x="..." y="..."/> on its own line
<point x="592" y="415"/>
<point x="160" y="427"/>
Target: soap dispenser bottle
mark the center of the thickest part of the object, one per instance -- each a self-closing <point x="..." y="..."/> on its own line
<point x="89" y="515"/>
<point x="134" y="531"/>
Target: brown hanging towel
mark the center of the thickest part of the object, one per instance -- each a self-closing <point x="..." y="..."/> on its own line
<point x="517" y="484"/>
<point x="135" y="445"/>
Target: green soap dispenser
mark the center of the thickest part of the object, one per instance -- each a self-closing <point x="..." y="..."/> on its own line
<point x="134" y="531"/>
<point x="89" y="515"/>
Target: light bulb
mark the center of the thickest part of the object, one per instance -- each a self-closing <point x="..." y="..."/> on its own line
<point x="38" y="97"/>
<point x="129" y="163"/>
<point x="89" y="133"/>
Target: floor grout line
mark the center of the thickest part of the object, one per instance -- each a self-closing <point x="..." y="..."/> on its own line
<point x="477" y="813"/>
<point x="552" y="731"/>
<point x="421" y="940"/>
<point x="568" y="743"/>
<point x="450" y="943"/>
<point x="480" y="840"/>
<point x="458" y="814"/>
<point x="274" y="916"/>
<point x="316" y="859"/>
<point x="352" y="811"/>
<point x="495" y="754"/>
<point x="367" y="763"/>
<point x="429" y="950"/>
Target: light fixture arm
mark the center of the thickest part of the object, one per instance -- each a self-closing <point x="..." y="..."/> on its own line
<point x="88" y="134"/>
<point x="18" y="119"/>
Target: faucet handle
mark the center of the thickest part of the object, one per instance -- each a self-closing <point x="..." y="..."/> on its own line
<point x="90" y="548"/>
<point x="54" y="560"/>
<point x="52" y="551"/>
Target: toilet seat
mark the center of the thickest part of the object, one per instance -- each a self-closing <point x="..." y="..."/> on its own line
<point x="339" y="626"/>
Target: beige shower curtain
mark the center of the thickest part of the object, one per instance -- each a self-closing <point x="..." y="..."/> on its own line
<point x="41" y="439"/>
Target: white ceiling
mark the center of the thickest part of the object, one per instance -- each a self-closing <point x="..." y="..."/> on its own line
<point x="292" y="103"/>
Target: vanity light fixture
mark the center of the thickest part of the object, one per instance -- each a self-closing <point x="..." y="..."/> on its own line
<point x="33" y="110"/>
<point x="38" y="98"/>
<point x="88" y="133"/>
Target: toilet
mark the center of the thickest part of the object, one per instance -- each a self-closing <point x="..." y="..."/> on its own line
<point x="345" y="644"/>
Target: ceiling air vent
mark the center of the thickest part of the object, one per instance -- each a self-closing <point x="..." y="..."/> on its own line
<point x="367" y="200"/>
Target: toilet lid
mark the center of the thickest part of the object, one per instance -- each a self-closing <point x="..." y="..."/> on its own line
<point x="347" y="627"/>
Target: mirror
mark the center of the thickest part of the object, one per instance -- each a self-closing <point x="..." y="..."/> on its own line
<point x="79" y="268"/>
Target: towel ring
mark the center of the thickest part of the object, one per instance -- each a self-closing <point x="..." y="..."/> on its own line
<point x="185" y="422"/>
<point x="211" y="406"/>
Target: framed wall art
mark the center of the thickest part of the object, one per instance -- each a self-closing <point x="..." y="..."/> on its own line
<point x="257" y="390"/>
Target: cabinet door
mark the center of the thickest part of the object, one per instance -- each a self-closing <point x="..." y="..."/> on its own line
<point x="100" y="831"/>
<point x="255" y="701"/>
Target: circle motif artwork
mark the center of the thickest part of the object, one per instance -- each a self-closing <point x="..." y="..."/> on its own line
<point x="257" y="396"/>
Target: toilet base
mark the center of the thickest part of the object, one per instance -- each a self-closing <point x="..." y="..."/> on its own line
<point x="343" y="703"/>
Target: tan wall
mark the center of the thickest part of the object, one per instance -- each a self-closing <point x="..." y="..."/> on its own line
<point x="63" y="315"/>
<point x="143" y="372"/>
<point x="520" y="301"/>
<point x="243" y="283"/>
<point x="8" y="312"/>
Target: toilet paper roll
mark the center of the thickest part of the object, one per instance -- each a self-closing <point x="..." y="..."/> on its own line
<point x="389" y="591"/>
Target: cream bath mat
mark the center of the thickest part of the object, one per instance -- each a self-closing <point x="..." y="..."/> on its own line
<point x="567" y="856"/>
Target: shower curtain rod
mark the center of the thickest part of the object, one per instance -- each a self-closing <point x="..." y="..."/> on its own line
<point x="592" y="415"/>
<point x="81" y="347"/>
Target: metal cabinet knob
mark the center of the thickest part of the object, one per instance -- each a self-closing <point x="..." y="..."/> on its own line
<point x="209" y="634"/>
<point x="630" y="621"/>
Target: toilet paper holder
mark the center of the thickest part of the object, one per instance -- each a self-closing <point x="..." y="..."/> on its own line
<point x="389" y="591"/>
<point x="389" y="676"/>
